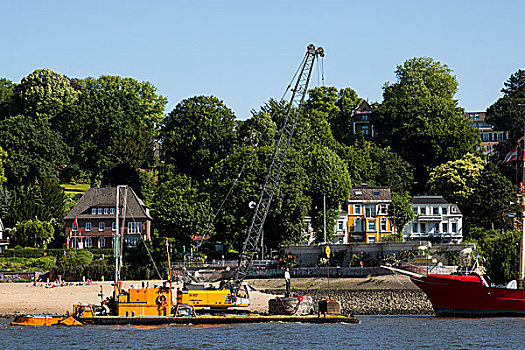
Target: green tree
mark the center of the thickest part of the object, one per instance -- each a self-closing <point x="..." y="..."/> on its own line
<point x="114" y="122"/>
<point x="197" y="134"/>
<point x="500" y="252"/>
<point x="32" y="233"/>
<point x="420" y="119"/>
<point x="180" y="210"/>
<point x="401" y="210"/>
<point x="481" y="191"/>
<point x="44" y="93"/>
<point x="260" y="130"/>
<point x="3" y="156"/>
<point x="289" y="206"/>
<point x="34" y="150"/>
<point x="508" y="112"/>
<point x="369" y="163"/>
<point x="45" y="200"/>
<point x="455" y="180"/>
<point x="7" y="103"/>
<point x="338" y="105"/>
<point x="327" y="177"/>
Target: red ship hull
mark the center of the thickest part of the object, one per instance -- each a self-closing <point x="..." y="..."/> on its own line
<point x="455" y="295"/>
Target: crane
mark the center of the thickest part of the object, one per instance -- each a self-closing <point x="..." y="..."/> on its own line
<point x="235" y="292"/>
<point x="274" y="170"/>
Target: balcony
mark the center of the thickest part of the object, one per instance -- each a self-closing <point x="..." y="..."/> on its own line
<point x="432" y="218"/>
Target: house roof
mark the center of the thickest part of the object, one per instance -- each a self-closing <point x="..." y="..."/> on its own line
<point x="429" y="200"/>
<point x="106" y="198"/>
<point x="368" y="193"/>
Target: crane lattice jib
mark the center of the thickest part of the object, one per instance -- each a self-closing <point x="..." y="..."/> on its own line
<point x="272" y="178"/>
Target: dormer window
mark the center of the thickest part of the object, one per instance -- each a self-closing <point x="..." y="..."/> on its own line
<point x="358" y="193"/>
<point x="93" y="211"/>
<point x="106" y="211"/>
<point x="99" y="211"/>
<point x="377" y="193"/>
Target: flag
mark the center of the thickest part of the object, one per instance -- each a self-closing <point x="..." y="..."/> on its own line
<point x="514" y="155"/>
<point x="75" y="224"/>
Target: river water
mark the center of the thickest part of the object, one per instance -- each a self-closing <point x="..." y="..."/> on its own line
<point x="381" y="332"/>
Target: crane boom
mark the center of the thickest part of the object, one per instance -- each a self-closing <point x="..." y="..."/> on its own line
<point x="274" y="170"/>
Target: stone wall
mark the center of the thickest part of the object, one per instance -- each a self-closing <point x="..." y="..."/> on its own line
<point x="373" y="302"/>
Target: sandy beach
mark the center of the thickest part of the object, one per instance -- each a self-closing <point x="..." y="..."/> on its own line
<point x="23" y="298"/>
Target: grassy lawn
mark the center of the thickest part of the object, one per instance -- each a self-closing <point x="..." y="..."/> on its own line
<point x="75" y="188"/>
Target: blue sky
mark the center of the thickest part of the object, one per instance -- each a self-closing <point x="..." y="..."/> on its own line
<point x="245" y="52"/>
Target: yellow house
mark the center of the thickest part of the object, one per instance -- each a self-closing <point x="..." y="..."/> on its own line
<point x="368" y="219"/>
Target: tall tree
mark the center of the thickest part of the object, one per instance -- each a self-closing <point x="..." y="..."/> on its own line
<point x="419" y="117"/>
<point x="34" y="150"/>
<point x="197" y="134"/>
<point x="3" y="156"/>
<point x="290" y="205"/>
<point x="481" y="191"/>
<point x="338" y="105"/>
<point x="45" y="93"/>
<point x="7" y="103"/>
<point x="114" y="122"/>
<point x="180" y="209"/>
<point x="328" y="182"/>
<point x="508" y="112"/>
<point x="369" y="163"/>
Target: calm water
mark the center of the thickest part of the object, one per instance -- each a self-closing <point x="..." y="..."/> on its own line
<point x="371" y="333"/>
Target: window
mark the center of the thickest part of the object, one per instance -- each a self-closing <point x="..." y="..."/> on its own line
<point x="93" y="211"/>
<point x="454" y="227"/>
<point x="376" y="193"/>
<point x="101" y="242"/>
<point x="134" y="227"/>
<point x="88" y="242"/>
<point x="340" y="225"/>
<point x="131" y="241"/>
<point x="371" y="225"/>
<point x="112" y="211"/>
<point x="415" y="210"/>
<point x="114" y="226"/>
<point x="383" y="209"/>
<point x="357" y="209"/>
<point x="357" y="225"/>
<point x="358" y="193"/>
<point x="106" y="211"/>
<point x="444" y="210"/>
<point x="435" y="210"/>
<point x="371" y="239"/>
<point x="423" y="228"/>
<point x="423" y="210"/>
<point x="383" y="224"/>
<point x="370" y="211"/>
<point x="436" y="227"/>
<point x="364" y="130"/>
<point x="444" y="227"/>
<point x="414" y="228"/>
<point x="99" y="211"/>
<point x="88" y="227"/>
<point x="101" y="226"/>
<point x="119" y="211"/>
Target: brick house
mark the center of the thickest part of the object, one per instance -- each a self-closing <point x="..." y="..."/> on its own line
<point x="96" y="214"/>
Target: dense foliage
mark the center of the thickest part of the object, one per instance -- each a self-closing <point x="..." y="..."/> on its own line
<point x="211" y="166"/>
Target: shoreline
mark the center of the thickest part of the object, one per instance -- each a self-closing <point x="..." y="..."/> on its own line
<point x="383" y="295"/>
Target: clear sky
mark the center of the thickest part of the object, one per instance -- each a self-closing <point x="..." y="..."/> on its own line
<point x="245" y="52"/>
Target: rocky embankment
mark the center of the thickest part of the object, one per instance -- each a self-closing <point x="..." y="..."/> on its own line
<point x="372" y="301"/>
